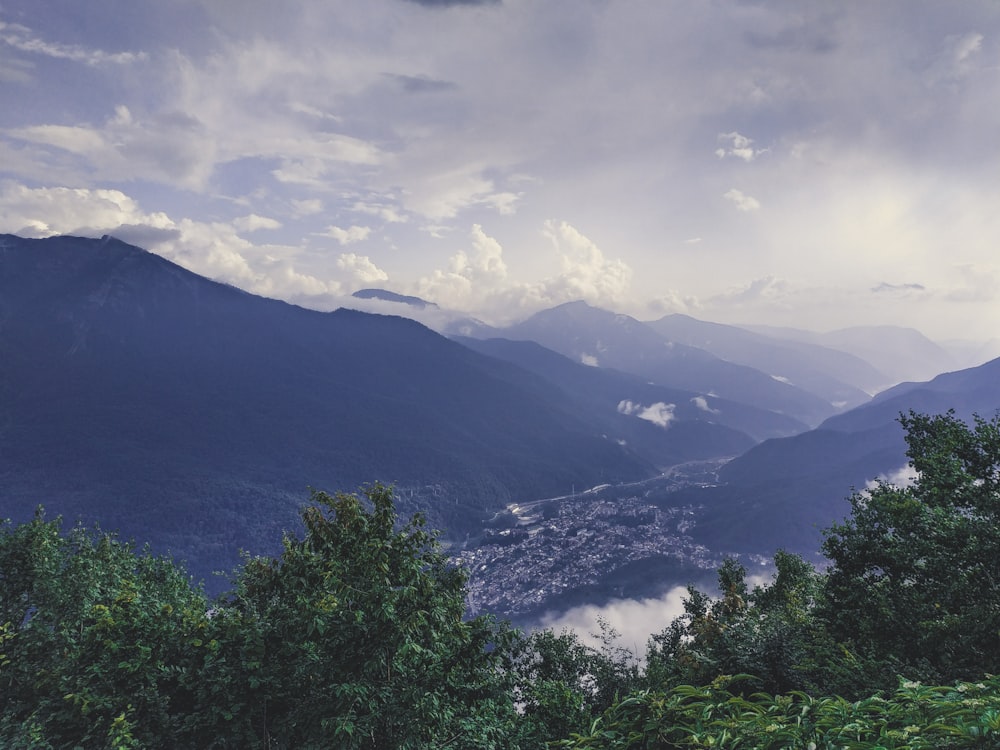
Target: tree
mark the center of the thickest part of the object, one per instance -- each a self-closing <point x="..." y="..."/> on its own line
<point x="773" y="634"/>
<point x="354" y="637"/>
<point x="562" y="684"/>
<point x="914" y="581"/>
<point x="93" y="640"/>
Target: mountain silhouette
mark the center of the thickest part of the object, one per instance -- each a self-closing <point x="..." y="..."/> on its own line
<point x="195" y="416"/>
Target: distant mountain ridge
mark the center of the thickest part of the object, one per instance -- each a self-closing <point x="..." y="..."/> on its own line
<point x="900" y="353"/>
<point x="843" y="379"/>
<point x="386" y="296"/>
<point x="783" y="492"/>
<point x="695" y="428"/>
<point x="187" y="412"/>
<point x="594" y="336"/>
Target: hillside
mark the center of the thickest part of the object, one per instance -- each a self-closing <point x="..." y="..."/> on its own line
<point x="194" y="415"/>
<point x="783" y="492"/>
<point x="598" y="337"/>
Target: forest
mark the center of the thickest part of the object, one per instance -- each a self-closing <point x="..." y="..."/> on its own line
<point x="356" y="636"/>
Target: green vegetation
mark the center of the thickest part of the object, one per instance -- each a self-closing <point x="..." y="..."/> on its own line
<point x="354" y="637"/>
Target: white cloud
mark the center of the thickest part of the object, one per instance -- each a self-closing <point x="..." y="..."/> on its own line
<point x="75" y="139"/>
<point x="702" y="403"/>
<point x="877" y="121"/>
<point x="442" y="195"/>
<point x="361" y="268"/>
<point x="737" y="146"/>
<point x="661" y="414"/>
<point x="64" y="210"/>
<point x="590" y="360"/>
<point x="212" y="249"/>
<point x="635" y="620"/>
<point x="470" y="278"/>
<point x="347" y="236"/>
<point x="586" y="273"/>
<point x="672" y="301"/>
<point x="21" y="38"/>
<point x="384" y="211"/>
<point x="742" y="201"/>
<point x="253" y="223"/>
<point x="904" y="476"/>
<point x="171" y="147"/>
<point x="306" y="206"/>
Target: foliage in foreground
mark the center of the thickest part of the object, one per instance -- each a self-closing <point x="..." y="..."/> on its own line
<point x="915" y="717"/>
<point x="354" y="637"/>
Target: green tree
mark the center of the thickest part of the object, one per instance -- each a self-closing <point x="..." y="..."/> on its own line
<point x="562" y="684"/>
<point x="914" y="581"/>
<point x="772" y="632"/>
<point x="354" y="637"/>
<point x="93" y="640"/>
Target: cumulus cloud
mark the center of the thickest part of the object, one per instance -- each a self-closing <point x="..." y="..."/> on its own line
<point x="347" y="236"/>
<point x="360" y="267"/>
<point x="478" y="280"/>
<point x="742" y="201"/>
<point x="42" y="212"/>
<point x="212" y="249"/>
<point x="661" y="414"/>
<point x="586" y="273"/>
<point x="471" y="277"/>
<point x="590" y="360"/>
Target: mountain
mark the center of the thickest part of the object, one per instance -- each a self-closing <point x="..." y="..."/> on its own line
<point x="680" y="426"/>
<point x="386" y="296"/>
<point x="900" y="353"/>
<point x="193" y="415"/>
<point x="840" y="378"/>
<point x="783" y="492"/>
<point x="597" y="337"/>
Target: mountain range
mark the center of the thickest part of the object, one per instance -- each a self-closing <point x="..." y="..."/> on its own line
<point x="180" y="410"/>
<point x="784" y="492"/>
<point x="196" y="416"/>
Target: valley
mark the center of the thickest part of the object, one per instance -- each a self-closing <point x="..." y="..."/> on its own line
<point x="189" y="415"/>
<point x="625" y="541"/>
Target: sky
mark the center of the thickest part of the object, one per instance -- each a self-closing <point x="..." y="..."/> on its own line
<point x="785" y="162"/>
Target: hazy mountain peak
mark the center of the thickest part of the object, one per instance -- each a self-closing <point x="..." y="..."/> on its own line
<point x="386" y="296"/>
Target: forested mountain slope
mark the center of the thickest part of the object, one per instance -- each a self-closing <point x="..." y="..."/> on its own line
<point x="194" y="415"/>
<point x="782" y="492"/>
